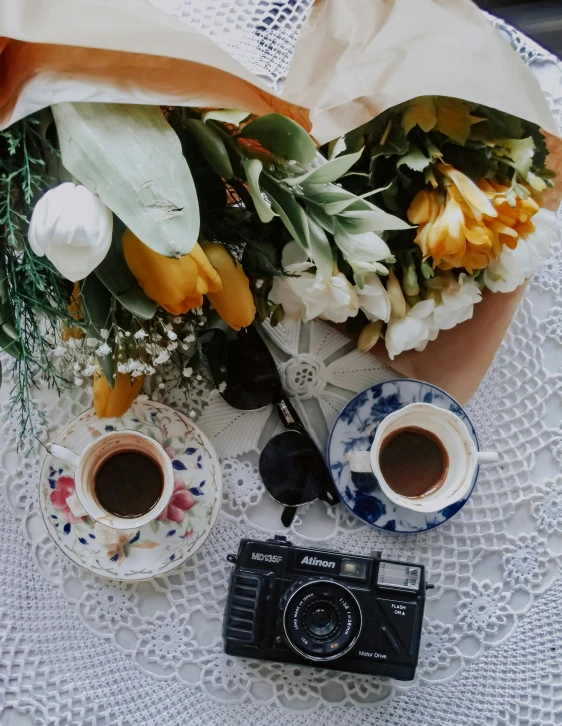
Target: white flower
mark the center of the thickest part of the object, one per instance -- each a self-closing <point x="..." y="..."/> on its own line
<point x="172" y="345"/>
<point x="294" y="259"/>
<point x="73" y="228"/>
<point x="141" y="334"/>
<point x="414" y="330"/>
<point x="373" y="299"/>
<point x="309" y="296"/>
<point x="172" y="335"/>
<point x="59" y="351"/>
<point x="78" y="381"/>
<point x="364" y="252"/>
<point x="89" y="371"/>
<point x="92" y="342"/>
<point x="187" y="372"/>
<point x="455" y="299"/>
<point x="104" y="332"/>
<point x="189" y="338"/>
<point x="513" y="267"/>
<point x="162" y="357"/>
<point x="104" y="349"/>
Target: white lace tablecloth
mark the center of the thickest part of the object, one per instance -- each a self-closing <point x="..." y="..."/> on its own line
<point x="75" y="649"/>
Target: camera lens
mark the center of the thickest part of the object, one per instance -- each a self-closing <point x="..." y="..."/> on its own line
<point x="321" y="619"/>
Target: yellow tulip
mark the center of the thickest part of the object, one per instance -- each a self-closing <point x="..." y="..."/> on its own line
<point x="176" y="284"/>
<point x="114" y="402"/>
<point x="234" y="302"/>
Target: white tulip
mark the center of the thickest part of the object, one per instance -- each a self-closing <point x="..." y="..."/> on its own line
<point x="373" y="299"/>
<point x="72" y="228"/>
<point x="414" y="330"/>
<point x="513" y="267"/>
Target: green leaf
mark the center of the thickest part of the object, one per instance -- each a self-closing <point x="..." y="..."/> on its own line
<point x="10" y="341"/>
<point x="393" y="142"/>
<point x="130" y="156"/>
<point x="253" y="169"/>
<point x="420" y="112"/>
<point x="319" y="215"/>
<point x="292" y="214"/>
<point x="120" y="281"/>
<point x="282" y="136"/>
<point x="356" y="221"/>
<point x="96" y="305"/>
<point x="226" y="115"/>
<point x="520" y="151"/>
<point x="328" y="172"/>
<point x="415" y="159"/>
<point x="213" y="147"/>
<point x="320" y="250"/>
<point x="454" y="119"/>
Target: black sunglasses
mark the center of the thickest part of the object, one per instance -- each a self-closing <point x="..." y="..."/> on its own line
<point x="291" y="467"/>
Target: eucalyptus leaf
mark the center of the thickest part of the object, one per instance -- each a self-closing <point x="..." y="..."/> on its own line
<point x="213" y="147"/>
<point x="282" y="136"/>
<point x="327" y="172"/>
<point x="120" y="281"/>
<point x="252" y="169"/>
<point x="292" y="214"/>
<point x="226" y="115"/>
<point x="131" y="158"/>
<point x="320" y="250"/>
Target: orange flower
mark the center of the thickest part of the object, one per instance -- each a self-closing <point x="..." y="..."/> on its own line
<point x="468" y="225"/>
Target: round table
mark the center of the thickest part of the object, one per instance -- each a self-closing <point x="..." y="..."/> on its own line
<point x="75" y="649"/>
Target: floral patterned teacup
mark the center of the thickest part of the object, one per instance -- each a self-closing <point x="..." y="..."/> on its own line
<point x="88" y="463"/>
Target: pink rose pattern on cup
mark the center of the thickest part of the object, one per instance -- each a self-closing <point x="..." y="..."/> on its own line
<point x="64" y="488"/>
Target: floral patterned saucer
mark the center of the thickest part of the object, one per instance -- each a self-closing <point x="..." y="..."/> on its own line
<point x="355" y="428"/>
<point x="179" y="531"/>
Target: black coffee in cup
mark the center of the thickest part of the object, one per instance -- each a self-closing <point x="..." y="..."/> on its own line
<point x="128" y="484"/>
<point x="413" y="461"/>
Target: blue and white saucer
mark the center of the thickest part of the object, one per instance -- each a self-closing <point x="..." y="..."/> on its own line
<point x="355" y="429"/>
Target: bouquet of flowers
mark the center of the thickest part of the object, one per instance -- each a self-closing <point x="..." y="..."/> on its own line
<point x="468" y="179"/>
<point x="150" y="226"/>
<point x="132" y="232"/>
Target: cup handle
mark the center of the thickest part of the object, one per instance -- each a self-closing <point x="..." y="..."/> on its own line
<point x="360" y="462"/>
<point x="63" y="454"/>
<point x="487" y="457"/>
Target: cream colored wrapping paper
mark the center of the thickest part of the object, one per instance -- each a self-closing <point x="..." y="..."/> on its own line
<point x="354" y="59"/>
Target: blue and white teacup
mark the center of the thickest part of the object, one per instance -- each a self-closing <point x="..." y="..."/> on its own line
<point x="464" y="458"/>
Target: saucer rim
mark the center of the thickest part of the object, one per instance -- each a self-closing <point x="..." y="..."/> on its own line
<point x="474" y="480"/>
<point x="177" y="565"/>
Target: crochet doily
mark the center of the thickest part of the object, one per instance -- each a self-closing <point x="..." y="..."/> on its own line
<point x="75" y="649"/>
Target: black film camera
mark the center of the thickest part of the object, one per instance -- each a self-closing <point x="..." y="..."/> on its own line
<point x="324" y="609"/>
